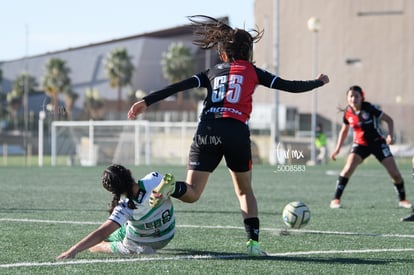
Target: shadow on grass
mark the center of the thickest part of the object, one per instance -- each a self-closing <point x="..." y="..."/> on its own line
<point x="211" y="255"/>
<point x="30" y="210"/>
<point x="213" y="212"/>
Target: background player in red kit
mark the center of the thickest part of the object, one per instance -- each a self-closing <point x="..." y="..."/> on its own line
<point x="365" y="119"/>
<point x="223" y="121"/>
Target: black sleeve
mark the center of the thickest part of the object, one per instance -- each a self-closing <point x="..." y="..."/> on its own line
<point x="296" y="86"/>
<point x="186" y="84"/>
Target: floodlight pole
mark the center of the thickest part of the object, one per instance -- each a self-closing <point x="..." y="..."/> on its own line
<point x="276" y="70"/>
<point x="42" y="116"/>
<point x="314" y="26"/>
<point x="26" y="101"/>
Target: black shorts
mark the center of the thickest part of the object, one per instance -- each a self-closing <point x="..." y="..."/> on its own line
<point x="217" y="138"/>
<point x="378" y="148"/>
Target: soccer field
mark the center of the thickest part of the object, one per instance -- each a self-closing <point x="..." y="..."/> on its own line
<point x="46" y="210"/>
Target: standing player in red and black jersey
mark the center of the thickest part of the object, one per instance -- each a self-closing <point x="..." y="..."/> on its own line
<point x="364" y="118"/>
<point x="223" y="128"/>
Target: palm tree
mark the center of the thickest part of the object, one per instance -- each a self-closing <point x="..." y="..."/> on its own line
<point x="55" y="81"/>
<point x="19" y="85"/>
<point x="119" y="69"/>
<point x="70" y="98"/>
<point x="15" y="97"/>
<point x="93" y="104"/>
<point x="177" y="64"/>
<point x="3" y="111"/>
<point x="14" y="102"/>
<point x="1" y="78"/>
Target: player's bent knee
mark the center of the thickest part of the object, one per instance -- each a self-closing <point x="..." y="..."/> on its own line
<point x="190" y="199"/>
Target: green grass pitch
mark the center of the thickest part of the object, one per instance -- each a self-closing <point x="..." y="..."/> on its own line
<point x="44" y="211"/>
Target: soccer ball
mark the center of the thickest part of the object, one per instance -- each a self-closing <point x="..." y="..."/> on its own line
<point x="296" y="214"/>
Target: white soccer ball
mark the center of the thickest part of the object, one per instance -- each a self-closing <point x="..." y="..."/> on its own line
<point x="296" y="214"/>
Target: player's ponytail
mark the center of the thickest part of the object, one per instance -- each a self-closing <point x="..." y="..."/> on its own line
<point x="114" y="203"/>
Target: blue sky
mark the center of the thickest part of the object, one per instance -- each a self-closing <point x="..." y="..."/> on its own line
<point x="36" y="27"/>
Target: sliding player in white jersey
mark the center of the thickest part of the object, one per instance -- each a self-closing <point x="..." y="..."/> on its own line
<point x="133" y="226"/>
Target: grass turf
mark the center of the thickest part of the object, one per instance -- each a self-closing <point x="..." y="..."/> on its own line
<point x="46" y="210"/>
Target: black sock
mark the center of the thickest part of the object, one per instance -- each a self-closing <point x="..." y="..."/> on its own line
<point x="180" y="189"/>
<point x="340" y="186"/>
<point x="251" y="226"/>
<point x="399" y="188"/>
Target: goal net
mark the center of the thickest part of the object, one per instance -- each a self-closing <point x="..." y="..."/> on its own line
<point x="90" y="143"/>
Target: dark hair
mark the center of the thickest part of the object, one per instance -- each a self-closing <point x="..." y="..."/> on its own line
<point x="118" y="180"/>
<point x="213" y="33"/>
<point x="358" y="89"/>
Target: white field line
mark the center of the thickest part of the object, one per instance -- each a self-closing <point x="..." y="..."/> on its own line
<point x="200" y="257"/>
<point x="189" y="257"/>
<point x="275" y="230"/>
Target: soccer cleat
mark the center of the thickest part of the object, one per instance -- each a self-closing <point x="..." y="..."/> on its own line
<point x="409" y="218"/>
<point x="335" y="204"/>
<point x="253" y="249"/>
<point x="164" y="189"/>
<point x="405" y="204"/>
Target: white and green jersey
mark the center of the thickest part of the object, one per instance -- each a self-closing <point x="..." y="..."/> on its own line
<point x="146" y="225"/>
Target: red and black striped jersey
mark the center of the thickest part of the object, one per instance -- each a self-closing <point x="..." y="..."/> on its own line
<point x="365" y="123"/>
<point x="230" y="88"/>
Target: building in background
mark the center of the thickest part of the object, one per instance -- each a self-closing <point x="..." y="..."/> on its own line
<point x="367" y="43"/>
<point x="87" y="74"/>
<point x="88" y="69"/>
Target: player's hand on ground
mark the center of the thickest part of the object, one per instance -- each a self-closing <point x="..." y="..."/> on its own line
<point x="66" y="255"/>
<point x="324" y="78"/>
<point x="136" y="109"/>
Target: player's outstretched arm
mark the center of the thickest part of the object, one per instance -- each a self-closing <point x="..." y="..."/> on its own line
<point x="300" y="86"/>
<point x="92" y="239"/>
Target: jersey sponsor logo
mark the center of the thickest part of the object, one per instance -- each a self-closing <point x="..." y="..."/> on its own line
<point x="166" y="216"/>
<point x="364" y="115"/>
<point x="223" y="110"/>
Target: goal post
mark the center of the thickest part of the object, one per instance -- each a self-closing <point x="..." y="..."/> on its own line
<point x="127" y="142"/>
<point x="137" y="142"/>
